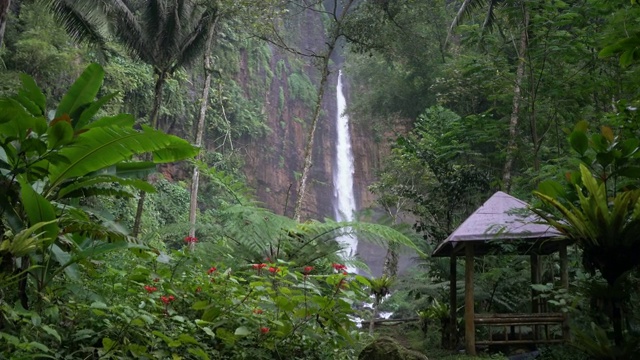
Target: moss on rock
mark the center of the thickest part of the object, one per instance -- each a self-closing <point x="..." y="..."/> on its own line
<point x="385" y="348"/>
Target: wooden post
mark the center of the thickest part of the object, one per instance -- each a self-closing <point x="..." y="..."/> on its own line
<point x="469" y="315"/>
<point x="535" y="279"/>
<point x="564" y="281"/>
<point x="453" y="324"/>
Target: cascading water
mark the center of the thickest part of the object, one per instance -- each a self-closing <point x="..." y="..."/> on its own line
<point x="344" y="204"/>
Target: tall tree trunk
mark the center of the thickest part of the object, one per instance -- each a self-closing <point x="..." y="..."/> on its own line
<point x="616" y="319"/>
<point x="195" y="178"/>
<point x="153" y="116"/>
<point x="374" y="315"/>
<point x="308" y="151"/>
<point x="4" y="15"/>
<point x="390" y="268"/>
<point x="517" y="98"/>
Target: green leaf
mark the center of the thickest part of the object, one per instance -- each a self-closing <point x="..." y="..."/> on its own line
<point x="188" y="339"/>
<point x="609" y="51"/>
<point x="551" y="188"/>
<point x="103" y="147"/>
<point x="600" y="143"/>
<point x="162" y="336"/>
<point x="39" y="346"/>
<point x="139" y="170"/>
<point x="242" y="331"/>
<point x="51" y="332"/>
<point x="59" y="133"/>
<point x="16" y="122"/>
<point x="605" y="158"/>
<point x="582" y="126"/>
<point x="200" y="305"/>
<point x="208" y="331"/>
<point x="64" y="259"/>
<point x="28" y="104"/>
<point x="98" y="305"/>
<point x="38" y="209"/>
<point x="122" y="120"/>
<point x="36" y="320"/>
<point x="77" y="186"/>
<point x="579" y="142"/>
<point x="632" y="172"/>
<point x="83" y="90"/>
<point x="108" y="344"/>
<point x="31" y="91"/>
<point x="199" y="353"/>
<point x="627" y="57"/>
<point x="92" y="110"/>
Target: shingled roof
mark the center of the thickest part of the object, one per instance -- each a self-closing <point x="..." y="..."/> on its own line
<point x="501" y="218"/>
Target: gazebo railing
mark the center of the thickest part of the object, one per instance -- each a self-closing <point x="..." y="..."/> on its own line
<point x="540" y="328"/>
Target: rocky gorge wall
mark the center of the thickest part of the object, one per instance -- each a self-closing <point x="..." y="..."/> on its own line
<point x="273" y="163"/>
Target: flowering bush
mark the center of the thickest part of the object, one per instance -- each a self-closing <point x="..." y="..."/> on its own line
<point x="285" y="312"/>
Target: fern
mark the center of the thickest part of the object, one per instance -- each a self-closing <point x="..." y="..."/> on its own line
<point x="254" y="233"/>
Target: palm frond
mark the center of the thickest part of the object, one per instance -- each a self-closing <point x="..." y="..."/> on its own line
<point x="83" y="20"/>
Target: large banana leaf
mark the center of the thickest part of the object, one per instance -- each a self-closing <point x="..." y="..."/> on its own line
<point x="102" y="147"/>
<point x="16" y="121"/>
<point x="79" y="186"/>
<point x="82" y="92"/>
<point x="38" y="209"/>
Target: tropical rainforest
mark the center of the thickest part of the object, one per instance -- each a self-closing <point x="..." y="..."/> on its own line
<point x="166" y="175"/>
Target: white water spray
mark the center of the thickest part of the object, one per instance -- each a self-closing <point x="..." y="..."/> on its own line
<point x="344" y="204"/>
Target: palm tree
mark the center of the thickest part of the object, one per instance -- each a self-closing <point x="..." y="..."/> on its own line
<point x="166" y="34"/>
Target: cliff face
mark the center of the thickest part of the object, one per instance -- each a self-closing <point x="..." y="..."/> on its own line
<point x="274" y="163"/>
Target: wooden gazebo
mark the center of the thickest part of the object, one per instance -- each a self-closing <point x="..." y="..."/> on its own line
<point x="502" y="218"/>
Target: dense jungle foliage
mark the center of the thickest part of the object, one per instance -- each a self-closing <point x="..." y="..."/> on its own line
<point x="129" y="231"/>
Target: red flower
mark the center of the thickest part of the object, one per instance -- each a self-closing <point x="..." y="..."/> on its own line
<point x="257" y="311"/>
<point x="273" y="270"/>
<point x="339" y="267"/>
<point x="259" y="266"/>
<point x="307" y="270"/>
<point x="191" y="239"/>
<point x="167" y="299"/>
<point x="264" y="330"/>
<point x="345" y="273"/>
<point x="150" y="289"/>
<point x="211" y="270"/>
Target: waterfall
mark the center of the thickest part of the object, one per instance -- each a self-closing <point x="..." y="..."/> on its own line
<point x="344" y="204"/>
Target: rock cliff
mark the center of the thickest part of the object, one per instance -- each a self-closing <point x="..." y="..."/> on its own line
<point x="274" y="162"/>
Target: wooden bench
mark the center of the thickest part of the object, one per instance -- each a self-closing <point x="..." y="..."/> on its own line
<point x="514" y="326"/>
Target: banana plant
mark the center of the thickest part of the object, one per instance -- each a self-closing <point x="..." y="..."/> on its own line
<point x="49" y="160"/>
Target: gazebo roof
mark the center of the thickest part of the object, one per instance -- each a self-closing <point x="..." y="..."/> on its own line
<point x="502" y="218"/>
